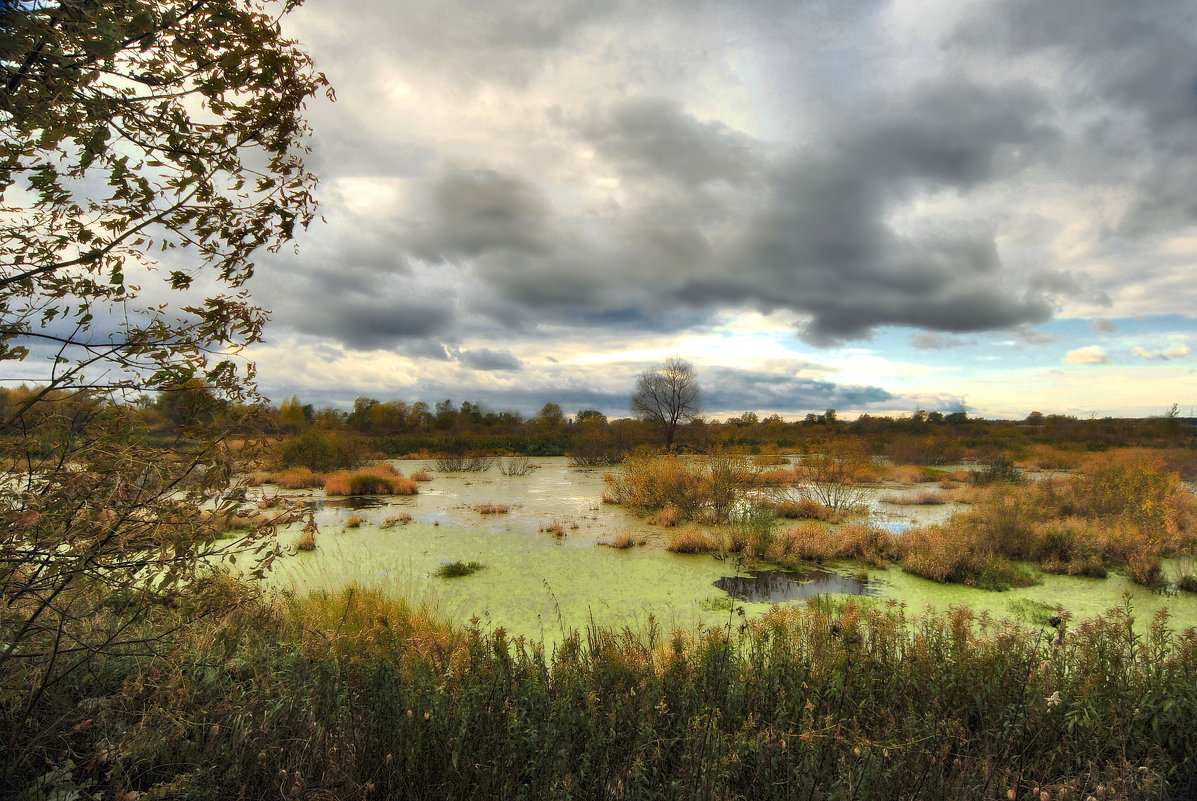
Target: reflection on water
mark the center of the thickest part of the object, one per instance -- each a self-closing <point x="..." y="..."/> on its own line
<point x="352" y="502"/>
<point x="892" y="526"/>
<point x="775" y="586"/>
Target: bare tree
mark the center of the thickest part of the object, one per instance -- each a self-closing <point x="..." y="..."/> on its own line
<point x="667" y="396"/>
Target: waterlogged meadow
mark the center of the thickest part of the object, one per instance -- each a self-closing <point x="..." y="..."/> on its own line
<point x="545" y="543"/>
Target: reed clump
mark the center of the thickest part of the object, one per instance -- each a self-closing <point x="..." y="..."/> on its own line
<point x="292" y="478"/>
<point x="804" y="509"/>
<point x="692" y="540"/>
<point x="376" y="479"/>
<point x="815" y="543"/>
<point x="624" y="540"/>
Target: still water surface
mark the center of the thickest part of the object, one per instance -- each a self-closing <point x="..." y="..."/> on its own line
<point x="539" y="585"/>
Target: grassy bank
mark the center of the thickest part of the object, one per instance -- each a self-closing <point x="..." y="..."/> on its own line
<point x="355" y="695"/>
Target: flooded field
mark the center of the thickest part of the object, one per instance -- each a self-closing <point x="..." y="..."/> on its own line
<point x="537" y="582"/>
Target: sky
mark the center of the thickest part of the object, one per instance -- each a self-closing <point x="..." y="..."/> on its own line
<point x="868" y="206"/>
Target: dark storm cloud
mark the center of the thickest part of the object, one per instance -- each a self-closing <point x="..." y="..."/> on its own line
<point x="370" y="323"/>
<point x="823" y="245"/>
<point x="654" y="134"/>
<point x="818" y="242"/>
<point x="729" y="389"/>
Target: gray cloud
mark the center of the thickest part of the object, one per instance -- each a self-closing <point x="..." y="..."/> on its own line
<point x="482" y="212"/>
<point x="655" y="134"/>
<point x="489" y="360"/>
<point x="1132" y="69"/>
<point x="936" y="341"/>
<point x="726" y="389"/>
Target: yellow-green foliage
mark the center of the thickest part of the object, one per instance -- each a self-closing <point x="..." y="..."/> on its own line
<point x="378" y="479"/>
<point x="359" y="623"/>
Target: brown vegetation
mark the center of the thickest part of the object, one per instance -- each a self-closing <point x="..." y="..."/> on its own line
<point x="624" y="540"/>
<point x="490" y="509"/>
<point x="813" y="542"/>
<point x="691" y="539"/>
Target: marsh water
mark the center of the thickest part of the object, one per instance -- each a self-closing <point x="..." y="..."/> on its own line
<point x="539" y="584"/>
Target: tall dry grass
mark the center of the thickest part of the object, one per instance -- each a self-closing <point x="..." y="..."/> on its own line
<point x="357" y="695"/>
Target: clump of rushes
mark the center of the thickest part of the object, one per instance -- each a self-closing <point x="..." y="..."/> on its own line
<point x="491" y="509"/>
<point x="556" y="528"/>
<point x="378" y="479"/>
<point x="925" y="498"/>
<point x="624" y="540"/>
<point x="691" y="539"/>
<point x="456" y="569"/>
<point x="420" y="475"/>
<point x="307" y="537"/>
<point x="815" y="543"/>
<point x="395" y="520"/>
<point x="706" y="488"/>
<point x="354" y="521"/>
<point x="297" y="478"/>
<point x="909" y="474"/>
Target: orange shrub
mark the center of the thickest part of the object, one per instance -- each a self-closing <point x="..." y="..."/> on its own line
<point x="379" y="479"/>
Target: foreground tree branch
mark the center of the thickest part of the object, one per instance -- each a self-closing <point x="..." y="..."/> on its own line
<point x="148" y="149"/>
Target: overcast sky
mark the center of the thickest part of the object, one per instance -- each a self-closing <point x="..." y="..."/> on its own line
<point x="872" y="206"/>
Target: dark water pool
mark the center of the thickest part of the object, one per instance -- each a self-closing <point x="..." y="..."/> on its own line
<point x="775" y="586"/>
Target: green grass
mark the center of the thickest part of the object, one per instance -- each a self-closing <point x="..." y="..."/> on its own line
<point x="459" y="568"/>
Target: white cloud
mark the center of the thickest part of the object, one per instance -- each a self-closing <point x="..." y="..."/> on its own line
<point x="1093" y="354"/>
<point x="1171" y="352"/>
